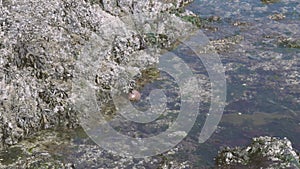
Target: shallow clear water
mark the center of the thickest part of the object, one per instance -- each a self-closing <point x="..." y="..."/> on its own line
<point x="263" y="89"/>
<point x="262" y="73"/>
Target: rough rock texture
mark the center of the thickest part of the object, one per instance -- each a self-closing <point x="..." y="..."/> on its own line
<point x="72" y="149"/>
<point x="263" y="152"/>
<point x="42" y="41"/>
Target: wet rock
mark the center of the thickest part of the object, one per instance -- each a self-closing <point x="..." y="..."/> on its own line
<point x="70" y="149"/>
<point x="277" y="16"/>
<point x="214" y="18"/>
<point x="263" y="152"/>
<point x="289" y="42"/>
<point x="269" y="1"/>
<point x="225" y="44"/>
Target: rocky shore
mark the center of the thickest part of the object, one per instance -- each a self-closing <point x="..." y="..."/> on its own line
<point x="45" y="48"/>
<point x="40" y="43"/>
<point x="263" y="152"/>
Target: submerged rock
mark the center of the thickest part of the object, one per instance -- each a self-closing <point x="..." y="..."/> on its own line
<point x="263" y="152"/>
<point x="68" y="149"/>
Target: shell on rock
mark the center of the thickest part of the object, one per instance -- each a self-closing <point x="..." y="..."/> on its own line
<point x="134" y="95"/>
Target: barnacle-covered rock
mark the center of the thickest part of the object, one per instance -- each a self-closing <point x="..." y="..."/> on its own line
<point x="42" y="42"/>
<point x="263" y="152"/>
<point x="121" y="7"/>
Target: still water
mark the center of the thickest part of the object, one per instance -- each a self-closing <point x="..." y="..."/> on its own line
<point x="262" y="71"/>
<point x="259" y="46"/>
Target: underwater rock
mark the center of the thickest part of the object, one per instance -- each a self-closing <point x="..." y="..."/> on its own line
<point x="277" y="16"/>
<point x="263" y="152"/>
<point x="69" y="149"/>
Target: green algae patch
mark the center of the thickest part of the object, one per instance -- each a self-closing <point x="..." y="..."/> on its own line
<point x="269" y="1"/>
<point x="157" y="40"/>
<point x="151" y="73"/>
<point x="44" y="149"/>
<point x="11" y="155"/>
<point x="195" y="20"/>
<point x="188" y="17"/>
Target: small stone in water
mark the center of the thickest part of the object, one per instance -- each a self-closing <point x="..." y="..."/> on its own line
<point x="134" y="95"/>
